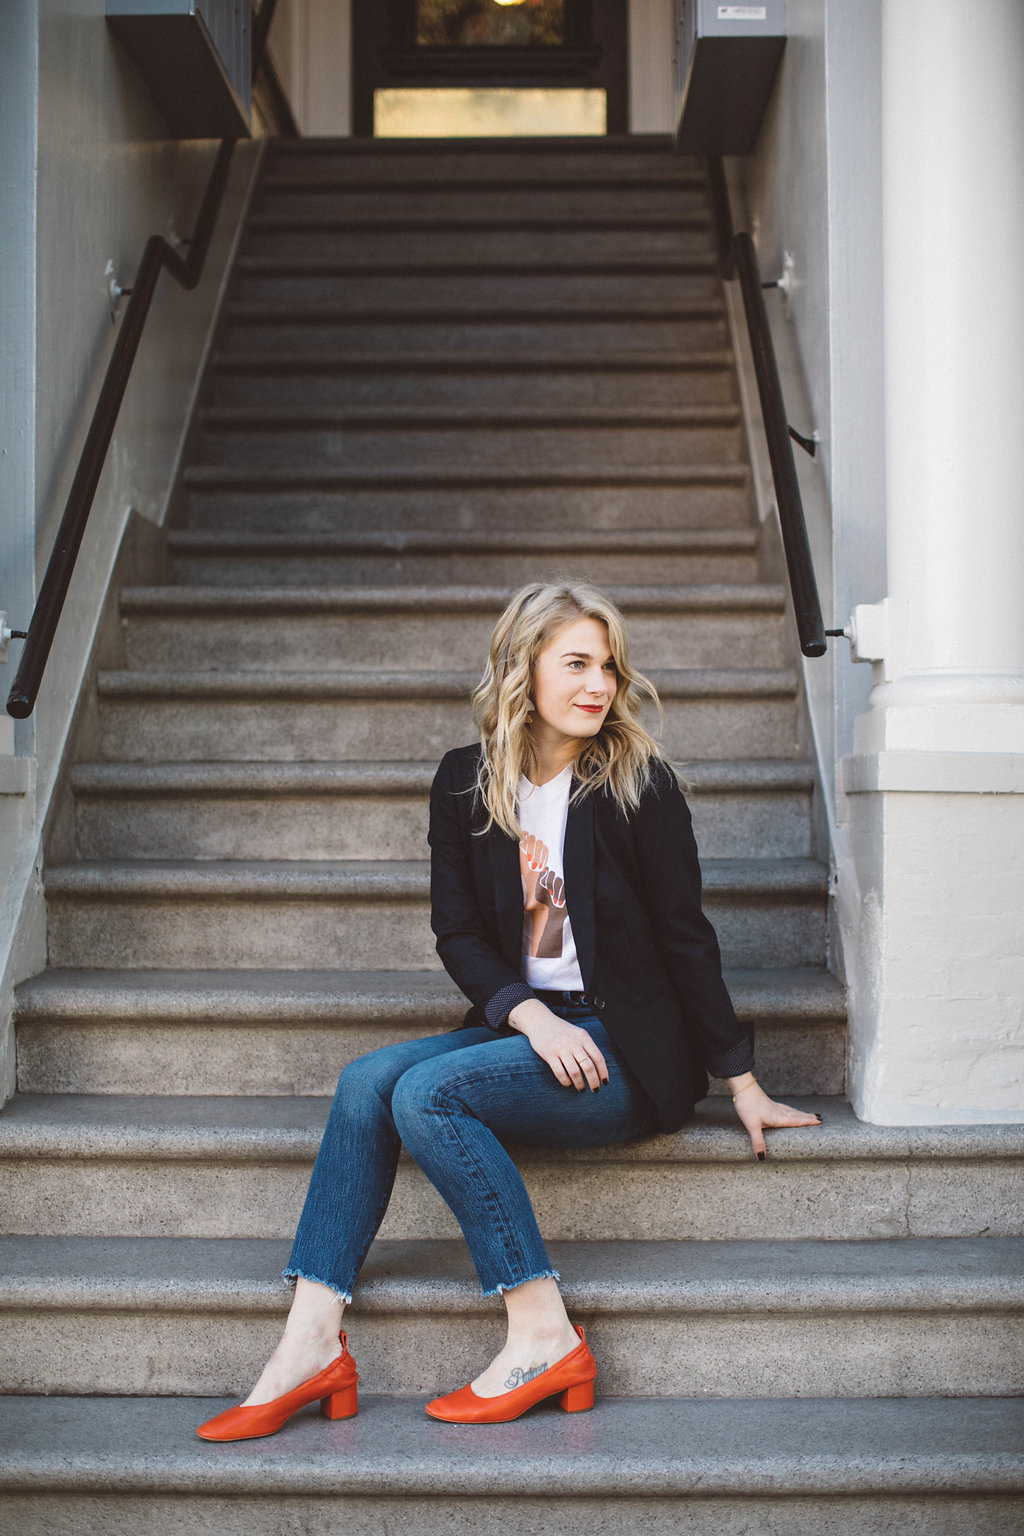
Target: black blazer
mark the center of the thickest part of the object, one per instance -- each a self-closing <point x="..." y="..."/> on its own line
<point x="648" y="956"/>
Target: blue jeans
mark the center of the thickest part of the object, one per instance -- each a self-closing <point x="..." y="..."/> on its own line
<point x="453" y="1099"/>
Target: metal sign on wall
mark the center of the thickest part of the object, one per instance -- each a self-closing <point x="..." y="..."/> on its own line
<point x="726" y="60"/>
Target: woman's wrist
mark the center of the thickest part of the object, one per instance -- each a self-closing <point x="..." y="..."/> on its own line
<point x="527" y="1013"/>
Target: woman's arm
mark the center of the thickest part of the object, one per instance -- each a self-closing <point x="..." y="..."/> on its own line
<point x="671" y="890"/>
<point x="667" y="852"/>
<point x="465" y="944"/>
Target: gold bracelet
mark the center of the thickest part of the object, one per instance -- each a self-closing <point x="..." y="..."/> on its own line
<point x="751" y="1084"/>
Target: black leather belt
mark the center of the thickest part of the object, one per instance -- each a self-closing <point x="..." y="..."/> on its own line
<point x="570" y="999"/>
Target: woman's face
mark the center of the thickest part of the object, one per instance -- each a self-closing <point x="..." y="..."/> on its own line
<point x="574" y="681"/>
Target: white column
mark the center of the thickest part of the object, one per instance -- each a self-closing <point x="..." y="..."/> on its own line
<point x="953" y="204"/>
<point x="935" y="789"/>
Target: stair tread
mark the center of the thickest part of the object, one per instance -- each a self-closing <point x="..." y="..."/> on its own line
<point x="465" y="475"/>
<point x="283" y="1128"/>
<point x="367" y="879"/>
<point x="385" y="778"/>
<point x="710" y="597"/>
<point x="283" y="361"/>
<point x="681" y="683"/>
<point x="427" y="1277"/>
<point x="457" y="417"/>
<point x="340" y="996"/>
<point x="638" y="1447"/>
<point x="483" y="540"/>
<point x="304" y="312"/>
<point x="332" y="266"/>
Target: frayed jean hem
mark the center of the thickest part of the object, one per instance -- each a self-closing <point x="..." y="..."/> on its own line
<point x="511" y="1285"/>
<point x="291" y="1275"/>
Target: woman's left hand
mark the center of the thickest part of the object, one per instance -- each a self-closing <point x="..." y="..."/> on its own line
<point x="760" y="1113"/>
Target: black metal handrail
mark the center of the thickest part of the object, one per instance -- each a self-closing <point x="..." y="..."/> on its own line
<point x="738" y="258"/>
<point x="157" y="256"/>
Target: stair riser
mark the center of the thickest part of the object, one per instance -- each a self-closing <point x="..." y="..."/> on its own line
<point x="425" y="570"/>
<point x="255" y="509"/>
<point x="314" y="642"/>
<point x="479" y="448"/>
<point x="547" y="389"/>
<point x="261" y="1197"/>
<point x="434" y="166"/>
<point x="207" y="728"/>
<point x="938" y="1513"/>
<point x="804" y="1058"/>
<point x="426" y="291"/>
<point x="574" y="249"/>
<point x="671" y="1354"/>
<point x="552" y="206"/>
<point x="345" y="826"/>
<point x="243" y="933"/>
<point x="556" y="333"/>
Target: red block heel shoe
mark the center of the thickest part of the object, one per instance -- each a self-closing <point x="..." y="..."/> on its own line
<point x="571" y="1380"/>
<point x="335" y="1386"/>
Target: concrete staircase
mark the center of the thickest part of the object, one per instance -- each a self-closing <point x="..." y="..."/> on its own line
<point x="444" y="370"/>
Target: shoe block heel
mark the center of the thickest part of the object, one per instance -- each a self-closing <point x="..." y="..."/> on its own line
<point x="577" y="1399"/>
<point x="341" y="1405"/>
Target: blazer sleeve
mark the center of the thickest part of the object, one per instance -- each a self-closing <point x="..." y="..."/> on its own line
<point x="465" y="943"/>
<point x="667" y="856"/>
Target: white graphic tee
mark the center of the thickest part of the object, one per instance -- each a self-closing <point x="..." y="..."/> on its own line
<point x="549" y="951"/>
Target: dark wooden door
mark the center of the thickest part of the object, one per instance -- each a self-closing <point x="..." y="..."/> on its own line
<point x="485" y="44"/>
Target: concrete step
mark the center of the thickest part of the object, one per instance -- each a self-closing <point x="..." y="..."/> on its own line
<point x="310" y="382"/>
<point x="367" y="915"/>
<point x="431" y="243"/>
<point x="424" y="441"/>
<point x="671" y="1467"/>
<point x="298" y="716"/>
<point x="552" y="202"/>
<point x="303" y="628"/>
<point x="257" y="327"/>
<point x="387" y="163"/>
<point x="108" y="1165"/>
<point x="291" y="1032"/>
<point x="377" y="810"/>
<point x="215" y="554"/>
<point x="358" y="288"/>
<point x="196" y="1317"/>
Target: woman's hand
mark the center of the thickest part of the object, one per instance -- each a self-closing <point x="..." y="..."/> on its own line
<point x="568" y="1050"/>
<point x="760" y="1113"/>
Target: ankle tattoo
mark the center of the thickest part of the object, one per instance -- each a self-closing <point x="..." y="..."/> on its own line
<point x="519" y="1377"/>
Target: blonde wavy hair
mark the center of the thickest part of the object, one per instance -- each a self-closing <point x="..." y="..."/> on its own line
<point x="619" y="756"/>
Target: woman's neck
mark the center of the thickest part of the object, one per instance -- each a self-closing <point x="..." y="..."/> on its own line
<point x="550" y="758"/>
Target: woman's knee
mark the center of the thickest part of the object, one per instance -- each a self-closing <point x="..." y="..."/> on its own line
<point x="370" y="1078"/>
<point x="417" y="1093"/>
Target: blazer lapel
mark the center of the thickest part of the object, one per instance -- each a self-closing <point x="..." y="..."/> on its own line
<point x="578" y="862"/>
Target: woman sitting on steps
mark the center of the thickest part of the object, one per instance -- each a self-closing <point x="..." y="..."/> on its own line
<point x="565" y="898"/>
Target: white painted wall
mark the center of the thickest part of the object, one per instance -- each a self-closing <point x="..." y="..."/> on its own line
<point x="310" y="43"/>
<point x="651" y="70"/>
<point x="94" y="175"/>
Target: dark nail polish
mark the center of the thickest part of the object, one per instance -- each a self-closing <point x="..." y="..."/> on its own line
<point x="597" y="1090"/>
<point x="761" y="1156"/>
<point x="604" y="1081"/>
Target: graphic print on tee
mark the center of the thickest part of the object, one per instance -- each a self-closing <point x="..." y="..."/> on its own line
<point x="544" y="901"/>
